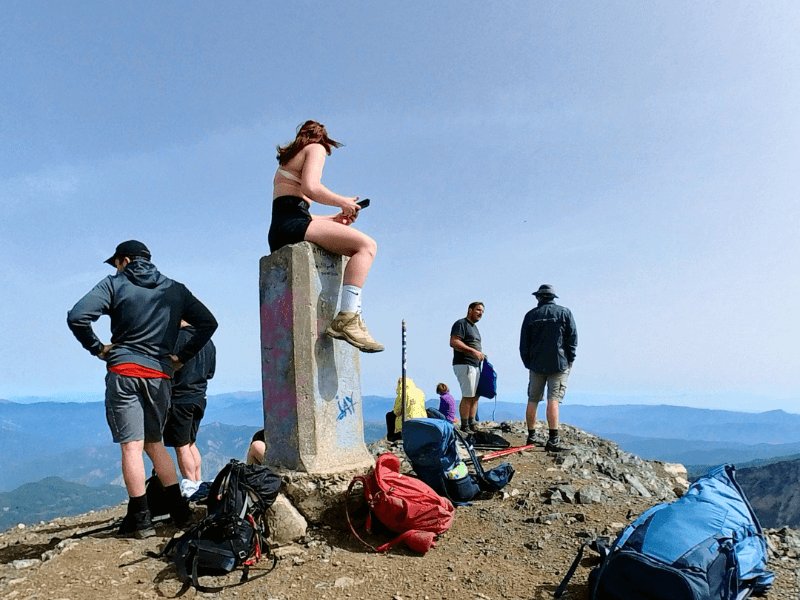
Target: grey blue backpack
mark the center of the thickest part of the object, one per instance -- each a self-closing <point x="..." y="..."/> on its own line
<point x="432" y="447"/>
<point x="707" y="545"/>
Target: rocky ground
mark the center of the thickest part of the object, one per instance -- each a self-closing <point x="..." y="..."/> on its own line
<point x="516" y="544"/>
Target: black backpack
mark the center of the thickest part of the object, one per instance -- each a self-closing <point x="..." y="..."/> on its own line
<point x="233" y="533"/>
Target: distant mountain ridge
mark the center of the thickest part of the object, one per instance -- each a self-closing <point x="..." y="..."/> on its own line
<point x="53" y="497"/>
<point x="702" y="453"/>
<point x="84" y="473"/>
<point x="774" y="492"/>
<point x="680" y="422"/>
<point x="71" y="439"/>
<point x="29" y="431"/>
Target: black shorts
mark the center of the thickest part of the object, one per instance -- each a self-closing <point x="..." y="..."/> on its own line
<point x="290" y="219"/>
<point x="183" y="422"/>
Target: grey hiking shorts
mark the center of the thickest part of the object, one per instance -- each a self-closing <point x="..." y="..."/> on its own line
<point x="136" y="407"/>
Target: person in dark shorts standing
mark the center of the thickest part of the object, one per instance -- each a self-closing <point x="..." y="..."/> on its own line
<point x="297" y="183"/>
<point x="465" y="340"/>
<point x="547" y="344"/>
<point x="189" y="387"/>
<point x="146" y="309"/>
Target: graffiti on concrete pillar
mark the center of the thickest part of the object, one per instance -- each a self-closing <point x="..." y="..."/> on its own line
<point x="346" y="407"/>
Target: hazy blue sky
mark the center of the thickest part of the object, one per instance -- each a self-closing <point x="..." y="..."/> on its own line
<point x="641" y="157"/>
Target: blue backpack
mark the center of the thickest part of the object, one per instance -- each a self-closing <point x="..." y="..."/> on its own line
<point x="708" y="545"/>
<point x="431" y="446"/>
<point x="487" y="382"/>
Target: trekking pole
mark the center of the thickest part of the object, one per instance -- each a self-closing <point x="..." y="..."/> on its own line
<point x="506" y="451"/>
<point x="403" y="374"/>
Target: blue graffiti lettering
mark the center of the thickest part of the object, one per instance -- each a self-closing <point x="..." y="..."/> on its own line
<point x="346" y="407"/>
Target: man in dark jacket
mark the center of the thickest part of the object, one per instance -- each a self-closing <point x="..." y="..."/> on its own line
<point x="146" y="309"/>
<point x="188" y="406"/>
<point x="547" y="345"/>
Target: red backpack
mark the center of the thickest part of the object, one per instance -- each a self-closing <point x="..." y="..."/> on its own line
<point x="404" y="504"/>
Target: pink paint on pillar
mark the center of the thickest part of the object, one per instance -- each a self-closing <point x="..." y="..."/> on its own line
<point x="276" y="319"/>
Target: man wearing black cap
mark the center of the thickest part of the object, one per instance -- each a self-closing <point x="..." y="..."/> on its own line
<point x="547" y="345"/>
<point x="146" y="309"/>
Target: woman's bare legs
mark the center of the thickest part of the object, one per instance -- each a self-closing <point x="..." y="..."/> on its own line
<point x="342" y="239"/>
<point x="347" y="241"/>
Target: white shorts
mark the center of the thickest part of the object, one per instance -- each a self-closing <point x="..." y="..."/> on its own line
<point x="467" y="376"/>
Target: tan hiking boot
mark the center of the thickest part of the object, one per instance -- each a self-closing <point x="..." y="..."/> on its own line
<point x="349" y="327"/>
<point x="377" y="347"/>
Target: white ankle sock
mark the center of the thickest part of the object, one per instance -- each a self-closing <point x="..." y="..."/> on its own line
<point x="351" y="299"/>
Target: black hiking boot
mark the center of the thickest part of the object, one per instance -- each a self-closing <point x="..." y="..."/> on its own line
<point x="181" y="513"/>
<point x="555" y="445"/>
<point x="137" y="525"/>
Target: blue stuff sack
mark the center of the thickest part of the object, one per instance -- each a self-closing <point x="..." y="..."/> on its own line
<point x="496" y="479"/>
<point x="487" y="382"/>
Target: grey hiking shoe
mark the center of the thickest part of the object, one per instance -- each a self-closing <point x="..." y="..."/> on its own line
<point x="137" y="525"/>
<point x="349" y="327"/>
<point x="556" y="446"/>
<point x="534" y="440"/>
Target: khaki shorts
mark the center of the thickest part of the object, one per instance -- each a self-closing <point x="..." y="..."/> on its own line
<point x="556" y="386"/>
<point x="467" y="376"/>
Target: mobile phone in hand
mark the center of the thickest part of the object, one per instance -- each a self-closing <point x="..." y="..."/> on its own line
<point x="363" y="203"/>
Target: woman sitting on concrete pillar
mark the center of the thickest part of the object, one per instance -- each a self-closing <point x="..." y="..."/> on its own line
<point x="296" y="184"/>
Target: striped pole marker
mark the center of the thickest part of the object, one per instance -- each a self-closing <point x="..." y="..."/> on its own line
<point x="403" y="372"/>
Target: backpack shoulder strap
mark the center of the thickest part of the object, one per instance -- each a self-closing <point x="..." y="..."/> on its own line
<point x="230" y="488"/>
<point x="600" y="547"/>
<point x="563" y="585"/>
<point x="363" y="480"/>
<point x="196" y="580"/>
<point x="475" y="462"/>
<point x="166" y="550"/>
<point x="213" y="493"/>
<point x="605" y="554"/>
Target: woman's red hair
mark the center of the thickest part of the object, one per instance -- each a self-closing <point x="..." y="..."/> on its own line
<point x="309" y="132"/>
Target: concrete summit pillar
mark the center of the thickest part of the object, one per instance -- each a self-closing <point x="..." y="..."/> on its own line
<point x="311" y="383"/>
